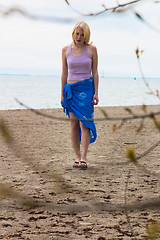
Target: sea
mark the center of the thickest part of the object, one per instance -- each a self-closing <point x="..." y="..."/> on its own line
<point x="42" y="92"/>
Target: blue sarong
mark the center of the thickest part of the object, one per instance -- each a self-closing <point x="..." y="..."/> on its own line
<point x="77" y="98"/>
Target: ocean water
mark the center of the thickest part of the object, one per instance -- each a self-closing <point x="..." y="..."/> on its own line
<point x="41" y="92"/>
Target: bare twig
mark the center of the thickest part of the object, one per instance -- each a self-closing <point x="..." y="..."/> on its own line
<point x="148" y="150"/>
<point x="142" y="116"/>
<point x="21" y="11"/>
<point x="117" y="8"/>
<point x="144" y="21"/>
<point x="120" y="7"/>
<point x="138" y="53"/>
<point x="125" y="204"/>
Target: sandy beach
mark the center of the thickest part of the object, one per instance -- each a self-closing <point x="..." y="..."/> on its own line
<point x="43" y="197"/>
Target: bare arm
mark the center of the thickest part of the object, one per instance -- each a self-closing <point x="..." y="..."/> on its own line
<point x="95" y="74"/>
<point x="64" y="71"/>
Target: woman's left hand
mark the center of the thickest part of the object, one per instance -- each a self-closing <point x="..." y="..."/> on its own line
<point x="95" y="99"/>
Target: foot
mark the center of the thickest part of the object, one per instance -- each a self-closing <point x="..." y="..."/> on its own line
<point x="76" y="164"/>
<point x="82" y="164"/>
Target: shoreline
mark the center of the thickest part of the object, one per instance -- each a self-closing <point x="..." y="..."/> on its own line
<point x="59" y="108"/>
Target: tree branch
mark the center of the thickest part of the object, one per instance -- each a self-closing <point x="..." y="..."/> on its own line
<point x="117" y="8"/>
<point x="142" y="116"/>
<point x="19" y="10"/>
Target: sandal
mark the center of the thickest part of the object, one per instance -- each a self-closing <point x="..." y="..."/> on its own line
<point x="82" y="165"/>
<point x="76" y="164"/>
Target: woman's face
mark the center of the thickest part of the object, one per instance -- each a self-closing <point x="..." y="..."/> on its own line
<point x="79" y="37"/>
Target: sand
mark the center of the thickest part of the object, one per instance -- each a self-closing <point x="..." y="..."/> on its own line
<point x="43" y="197"/>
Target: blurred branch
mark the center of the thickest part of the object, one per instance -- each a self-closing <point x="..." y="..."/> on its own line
<point x="130" y="152"/>
<point x="5" y="132"/>
<point x="23" y="200"/>
<point x="138" y="53"/>
<point x="125" y="203"/>
<point x="148" y="150"/>
<point x="7" y="12"/>
<point x="118" y="8"/>
<point x="144" y="21"/>
<point x="131" y="155"/>
<point x="142" y="116"/>
<point x="92" y="206"/>
<point x="6" y="191"/>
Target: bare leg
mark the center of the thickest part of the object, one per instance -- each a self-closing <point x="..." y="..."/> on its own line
<point x="85" y="139"/>
<point x="75" y="138"/>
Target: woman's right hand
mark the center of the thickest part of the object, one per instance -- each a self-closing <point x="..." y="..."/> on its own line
<point x="95" y="99"/>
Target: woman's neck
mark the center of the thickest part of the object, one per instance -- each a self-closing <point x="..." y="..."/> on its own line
<point x="78" y="46"/>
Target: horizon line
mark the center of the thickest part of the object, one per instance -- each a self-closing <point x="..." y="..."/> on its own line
<point x="56" y="75"/>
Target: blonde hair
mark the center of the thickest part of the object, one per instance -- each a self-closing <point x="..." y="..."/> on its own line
<point x="84" y="26"/>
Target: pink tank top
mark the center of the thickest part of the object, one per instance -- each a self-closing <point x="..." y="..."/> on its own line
<point x="79" y="67"/>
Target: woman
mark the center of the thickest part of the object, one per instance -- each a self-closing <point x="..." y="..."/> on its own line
<point x="79" y="90"/>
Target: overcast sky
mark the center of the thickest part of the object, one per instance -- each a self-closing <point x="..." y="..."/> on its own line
<point x="30" y="46"/>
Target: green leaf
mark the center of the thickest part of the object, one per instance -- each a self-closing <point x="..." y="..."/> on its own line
<point x="131" y="155"/>
<point x="115" y="127"/>
<point x="153" y="229"/>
